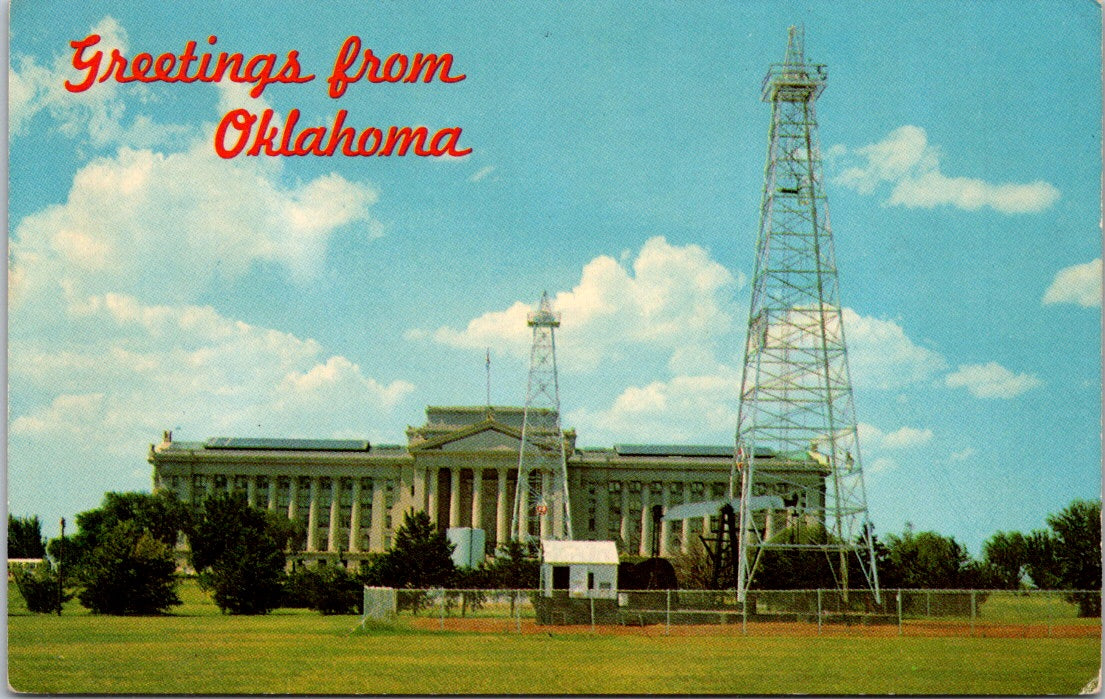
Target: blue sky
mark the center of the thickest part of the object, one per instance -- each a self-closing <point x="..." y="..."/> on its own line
<point x="618" y="153"/>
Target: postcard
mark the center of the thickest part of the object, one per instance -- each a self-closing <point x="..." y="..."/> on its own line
<point x="355" y="260"/>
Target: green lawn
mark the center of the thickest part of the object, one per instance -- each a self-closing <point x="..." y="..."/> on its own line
<point x="199" y="650"/>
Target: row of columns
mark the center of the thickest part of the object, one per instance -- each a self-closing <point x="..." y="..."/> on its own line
<point x="426" y="482"/>
<point x="646" y="522"/>
<point x="334" y="540"/>
<point x="425" y="494"/>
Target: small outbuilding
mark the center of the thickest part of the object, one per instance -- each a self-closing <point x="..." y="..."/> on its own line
<point x="579" y="569"/>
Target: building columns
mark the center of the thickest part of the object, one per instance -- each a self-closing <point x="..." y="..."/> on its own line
<point x="335" y="514"/>
<point x="355" y="518"/>
<point x="645" y="547"/>
<point x="623" y="530"/>
<point x="272" y="494"/>
<point x="501" y="525"/>
<point x="379" y="514"/>
<point x="312" y="516"/>
<point x="293" y="497"/>
<point x="418" y="489"/>
<point x="522" y="512"/>
<point x="251" y="490"/>
<point x="546" y="485"/>
<point x="432" y="476"/>
<point x="477" y="498"/>
<point x="665" y="525"/>
<point x="454" y="497"/>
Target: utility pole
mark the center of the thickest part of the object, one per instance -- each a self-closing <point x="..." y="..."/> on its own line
<point x="61" y="557"/>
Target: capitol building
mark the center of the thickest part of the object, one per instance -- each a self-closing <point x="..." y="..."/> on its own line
<point x="461" y="468"/>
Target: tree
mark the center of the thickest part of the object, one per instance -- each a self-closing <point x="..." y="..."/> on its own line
<point x="161" y="514"/>
<point x="238" y="552"/>
<point x="1077" y="547"/>
<point x="421" y="556"/>
<point x="1041" y="564"/>
<point x="927" y="560"/>
<point x="515" y="568"/>
<point x="38" y="584"/>
<point x="332" y="590"/>
<point x="1006" y="556"/>
<point x="692" y="567"/>
<point x="122" y="553"/>
<point x="25" y="538"/>
<point x="129" y="572"/>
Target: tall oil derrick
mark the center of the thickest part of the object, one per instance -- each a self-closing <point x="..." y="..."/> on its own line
<point x="541" y="505"/>
<point x="796" y="395"/>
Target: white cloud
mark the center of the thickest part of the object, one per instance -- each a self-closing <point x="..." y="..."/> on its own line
<point x="672" y="298"/>
<point x="875" y="444"/>
<point x="906" y="161"/>
<point x="907" y="438"/>
<point x="683" y="409"/>
<point x="964" y="454"/>
<point x="871" y="437"/>
<point x="97" y="113"/>
<point x="880" y="465"/>
<point x="481" y="173"/>
<point x="139" y="369"/>
<point x="882" y="356"/>
<point x="72" y="415"/>
<point x="1078" y="284"/>
<point x="991" y="381"/>
<point x="164" y="225"/>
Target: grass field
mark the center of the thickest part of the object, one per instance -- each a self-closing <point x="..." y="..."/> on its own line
<point x="291" y="651"/>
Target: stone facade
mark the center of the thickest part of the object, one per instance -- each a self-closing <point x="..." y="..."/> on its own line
<point x="461" y="468"/>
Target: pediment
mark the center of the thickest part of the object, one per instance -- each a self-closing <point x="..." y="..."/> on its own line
<point x="487" y="440"/>
<point x="488" y="435"/>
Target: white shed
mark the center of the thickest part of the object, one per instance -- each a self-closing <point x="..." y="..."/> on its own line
<point x="582" y="568"/>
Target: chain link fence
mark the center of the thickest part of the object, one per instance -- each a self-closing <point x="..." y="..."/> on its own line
<point x="966" y="613"/>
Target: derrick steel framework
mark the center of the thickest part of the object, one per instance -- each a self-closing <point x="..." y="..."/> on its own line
<point x="796" y="395"/>
<point x="541" y="505"/>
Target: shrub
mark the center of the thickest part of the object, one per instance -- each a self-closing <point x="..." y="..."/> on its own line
<point x="25" y="538"/>
<point x="335" y="591"/>
<point x="38" y="584"/>
<point x="129" y="572"/>
<point x="296" y="588"/>
<point x="238" y="551"/>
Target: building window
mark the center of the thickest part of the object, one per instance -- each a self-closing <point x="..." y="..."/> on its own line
<point x="324" y="494"/>
<point x="614" y="510"/>
<point x="698" y="492"/>
<point x="592" y="507"/>
<point x="303" y="498"/>
<point x="675" y="494"/>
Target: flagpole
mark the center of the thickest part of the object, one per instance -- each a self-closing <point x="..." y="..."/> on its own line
<point x="489" y="378"/>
